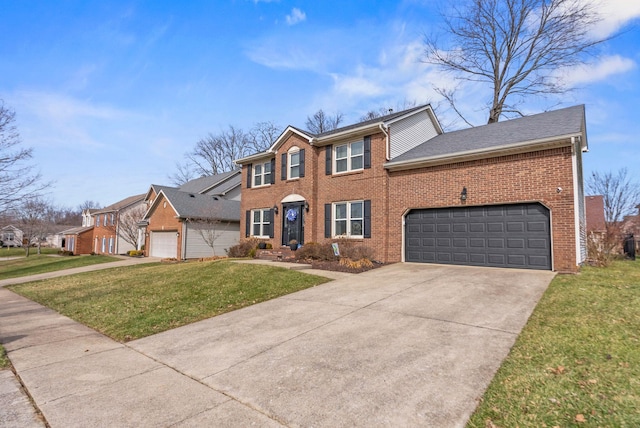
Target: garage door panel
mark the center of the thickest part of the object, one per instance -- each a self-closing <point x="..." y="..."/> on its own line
<point x="502" y="236"/>
<point x="164" y="244"/>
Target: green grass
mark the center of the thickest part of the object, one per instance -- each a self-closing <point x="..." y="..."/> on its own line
<point x="19" y="252"/>
<point x="577" y="361"/>
<point x="4" y="360"/>
<point x="132" y="302"/>
<point x="36" y="264"/>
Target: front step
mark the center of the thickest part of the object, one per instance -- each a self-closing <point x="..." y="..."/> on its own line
<point x="275" y="254"/>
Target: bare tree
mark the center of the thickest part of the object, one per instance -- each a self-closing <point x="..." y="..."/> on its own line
<point x="384" y="111"/>
<point x="620" y="192"/>
<point x="128" y="221"/>
<point x="88" y="204"/>
<point x="516" y="47"/>
<point x="184" y="172"/>
<point x="18" y="179"/>
<point x="216" y="153"/>
<point x="213" y="230"/>
<point x="35" y="221"/>
<point x="321" y="122"/>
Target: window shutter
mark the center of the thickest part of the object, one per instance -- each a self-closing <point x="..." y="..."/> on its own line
<point x="301" y="163"/>
<point x="271" y="223"/>
<point x="283" y="167"/>
<point x="249" y="174"/>
<point x="273" y="171"/>
<point x="367" y="152"/>
<point x="328" y="161"/>
<point x="247" y="228"/>
<point x="327" y="220"/>
<point x="367" y="218"/>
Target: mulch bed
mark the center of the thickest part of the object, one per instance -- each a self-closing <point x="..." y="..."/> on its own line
<point x="334" y="265"/>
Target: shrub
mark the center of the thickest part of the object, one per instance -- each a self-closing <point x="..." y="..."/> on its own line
<point x="243" y="249"/>
<point x="135" y="253"/>
<point x="356" y="264"/>
<point x="65" y="253"/>
<point x="315" y="251"/>
<point x="269" y="246"/>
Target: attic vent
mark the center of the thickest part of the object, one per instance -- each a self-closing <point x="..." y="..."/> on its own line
<point x="215" y="198"/>
<point x="192" y="195"/>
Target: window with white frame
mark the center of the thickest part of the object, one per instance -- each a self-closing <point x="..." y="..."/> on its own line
<point x="98" y="220"/>
<point x="294" y="163"/>
<point x="260" y="222"/>
<point x="113" y="219"/>
<point x="348" y="219"/>
<point x="262" y="174"/>
<point x="349" y="157"/>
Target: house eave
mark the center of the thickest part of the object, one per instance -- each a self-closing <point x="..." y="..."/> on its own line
<point x="524" y="147"/>
<point x="252" y="158"/>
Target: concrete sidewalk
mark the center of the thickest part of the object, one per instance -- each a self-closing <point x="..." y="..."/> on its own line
<point x="403" y="345"/>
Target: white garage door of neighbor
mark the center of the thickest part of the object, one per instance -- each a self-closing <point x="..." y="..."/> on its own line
<point x="164" y="244"/>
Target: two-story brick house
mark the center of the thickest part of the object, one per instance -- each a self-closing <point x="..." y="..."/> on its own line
<point x="507" y="194"/>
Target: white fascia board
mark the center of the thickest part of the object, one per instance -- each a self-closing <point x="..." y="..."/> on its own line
<point x="253" y="158"/>
<point x="285" y="134"/>
<point x="157" y="201"/>
<point x="426" y="108"/>
<point x="527" y="146"/>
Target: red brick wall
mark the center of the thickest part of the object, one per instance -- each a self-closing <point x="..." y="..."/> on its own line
<point x="107" y="232"/>
<point x="317" y="188"/>
<point x="530" y="177"/>
<point x="163" y="219"/>
<point x="83" y="242"/>
<point x="517" y="178"/>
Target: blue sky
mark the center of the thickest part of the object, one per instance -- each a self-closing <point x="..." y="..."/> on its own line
<point x="111" y="94"/>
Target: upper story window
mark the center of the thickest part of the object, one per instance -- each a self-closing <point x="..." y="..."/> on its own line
<point x="262" y="174"/>
<point x="113" y="219"/>
<point x="98" y="220"/>
<point x="294" y="163"/>
<point x="349" y="157"/>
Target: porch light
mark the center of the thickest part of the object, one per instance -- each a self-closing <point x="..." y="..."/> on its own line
<point x="275" y="209"/>
<point x="306" y="206"/>
<point x="463" y="194"/>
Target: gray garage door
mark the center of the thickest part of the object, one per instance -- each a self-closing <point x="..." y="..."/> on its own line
<point x="516" y="236"/>
<point x="164" y="244"/>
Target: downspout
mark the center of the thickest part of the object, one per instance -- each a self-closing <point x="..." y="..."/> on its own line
<point x="383" y="128"/>
<point x="576" y="201"/>
<point x="183" y="239"/>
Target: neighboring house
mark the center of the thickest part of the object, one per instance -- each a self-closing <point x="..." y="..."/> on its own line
<point x="112" y="226"/>
<point x="87" y="216"/>
<point x="594" y="206"/>
<point x="508" y="194"/>
<point x="631" y="226"/>
<point x="201" y="218"/>
<point x="11" y="236"/>
<point x="78" y="240"/>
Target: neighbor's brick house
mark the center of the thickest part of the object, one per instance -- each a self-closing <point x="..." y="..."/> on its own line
<point x="507" y="194"/>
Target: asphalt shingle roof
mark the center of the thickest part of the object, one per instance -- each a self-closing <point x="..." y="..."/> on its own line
<point x="121" y="204"/>
<point x="557" y="123"/>
<point x="210" y="182"/>
<point x="197" y="206"/>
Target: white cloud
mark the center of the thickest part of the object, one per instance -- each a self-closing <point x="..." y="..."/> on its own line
<point x="589" y="73"/>
<point x="615" y="14"/>
<point x="296" y="16"/>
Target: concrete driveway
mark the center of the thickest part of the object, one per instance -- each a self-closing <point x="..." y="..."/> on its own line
<point x="404" y="345"/>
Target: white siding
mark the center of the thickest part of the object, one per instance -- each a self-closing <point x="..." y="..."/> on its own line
<point x="196" y="246"/>
<point x="234" y="195"/>
<point x="124" y="246"/>
<point x="411" y="132"/>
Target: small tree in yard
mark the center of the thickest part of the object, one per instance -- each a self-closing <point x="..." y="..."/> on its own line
<point x="214" y="230"/>
<point x="621" y="194"/>
<point x="35" y="220"/>
<point x="128" y="224"/>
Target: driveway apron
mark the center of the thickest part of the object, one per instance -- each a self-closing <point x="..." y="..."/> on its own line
<point x="403" y="345"/>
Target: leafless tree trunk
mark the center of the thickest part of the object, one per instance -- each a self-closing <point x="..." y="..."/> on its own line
<point x="18" y="179"/>
<point x="321" y="122"/>
<point x="215" y="230"/>
<point x="216" y="153"/>
<point x="35" y="221"/>
<point x="128" y="224"/>
<point x="514" y="46"/>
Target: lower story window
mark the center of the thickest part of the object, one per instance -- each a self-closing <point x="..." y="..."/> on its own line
<point x="260" y="223"/>
<point x="348" y="219"/>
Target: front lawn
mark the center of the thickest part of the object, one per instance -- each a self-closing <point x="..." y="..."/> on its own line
<point x="36" y="264"/>
<point x="132" y="302"/>
<point x="20" y="251"/>
<point x="577" y="361"/>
